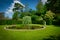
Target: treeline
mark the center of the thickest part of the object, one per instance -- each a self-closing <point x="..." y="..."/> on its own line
<point x="48" y="12"/>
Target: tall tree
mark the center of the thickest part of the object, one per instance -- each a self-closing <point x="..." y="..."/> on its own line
<point x="49" y="16"/>
<point x="53" y="5"/>
<point x="41" y="9"/>
<point x="17" y="6"/>
<point x="16" y="15"/>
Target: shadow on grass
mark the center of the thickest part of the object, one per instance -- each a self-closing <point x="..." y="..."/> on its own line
<point x="57" y="25"/>
<point x="52" y="38"/>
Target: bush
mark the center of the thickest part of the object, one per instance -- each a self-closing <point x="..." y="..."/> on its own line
<point x="9" y="22"/>
<point x="27" y="20"/>
<point x="49" y="16"/>
<point x="49" y="22"/>
<point x="56" y="20"/>
<point x="37" y="19"/>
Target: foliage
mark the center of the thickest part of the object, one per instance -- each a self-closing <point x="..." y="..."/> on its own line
<point x="16" y="15"/>
<point x="10" y="22"/>
<point x="56" y="20"/>
<point x="37" y="19"/>
<point x="24" y="14"/>
<point x="41" y="9"/>
<point x="17" y="6"/>
<point x="26" y="20"/>
<point x="17" y="10"/>
<point x="53" y="5"/>
<point x="32" y="12"/>
<point x="40" y="15"/>
<point x="39" y="6"/>
<point x="49" y="16"/>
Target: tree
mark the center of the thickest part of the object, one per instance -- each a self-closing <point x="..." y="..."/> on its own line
<point x="18" y="9"/>
<point x="17" y="6"/>
<point x="26" y="21"/>
<point x="16" y="15"/>
<point x="49" y="16"/>
<point x="53" y="5"/>
<point x="41" y="9"/>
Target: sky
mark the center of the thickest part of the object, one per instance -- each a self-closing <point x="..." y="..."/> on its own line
<point x="7" y="5"/>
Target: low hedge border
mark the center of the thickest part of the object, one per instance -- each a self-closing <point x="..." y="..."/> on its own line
<point x="23" y="29"/>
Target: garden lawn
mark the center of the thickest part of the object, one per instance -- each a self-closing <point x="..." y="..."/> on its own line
<point x="28" y="35"/>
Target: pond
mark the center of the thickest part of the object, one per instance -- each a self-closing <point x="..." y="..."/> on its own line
<point x="27" y="27"/>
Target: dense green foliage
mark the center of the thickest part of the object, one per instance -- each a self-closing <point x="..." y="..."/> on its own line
<point x="49" y="16"/>
<point x="56" y="20"/>
<point x="41" y="9"/>
<point x="37" y="19"/>
<point x="27" y="20"/>
<point x="44" y="12"/>
<point x="16" y="15"/>
<point x="53" y="5"/>
<point x="10" y="22"/>
<point x="22" y="14"/>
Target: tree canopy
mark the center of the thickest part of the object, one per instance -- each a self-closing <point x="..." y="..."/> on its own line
<point x="53" y="5"/>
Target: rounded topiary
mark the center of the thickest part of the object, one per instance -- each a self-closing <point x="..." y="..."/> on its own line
<point x="26" y="20"/>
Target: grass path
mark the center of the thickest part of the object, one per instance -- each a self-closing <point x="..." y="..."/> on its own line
<point x="28" y="35"/>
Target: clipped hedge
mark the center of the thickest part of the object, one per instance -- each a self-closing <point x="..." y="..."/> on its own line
<point x="9" y="22"/>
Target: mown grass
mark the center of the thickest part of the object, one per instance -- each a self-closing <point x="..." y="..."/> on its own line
<point x="28" y="35"/>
